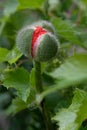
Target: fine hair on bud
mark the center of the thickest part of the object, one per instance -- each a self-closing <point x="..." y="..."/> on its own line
<point x="38" y="41"/>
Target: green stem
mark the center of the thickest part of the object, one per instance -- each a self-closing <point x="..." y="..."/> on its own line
<point x="38" y="79"/>
<point x="39" y="89"/>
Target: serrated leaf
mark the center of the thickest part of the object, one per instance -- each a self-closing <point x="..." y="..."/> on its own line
<point x="70" y="73"/>
<point x="72" y="117"/>
<point x="13" y="55"/>
<point x="10" y="56"/>
<point x="31" y="101"/>
<point x="3" y="54"/>
<point x="30" y="4"/>
<point x="18" y="79"/>
<point x="16" y="106"/>
<point x="67" y="30"/>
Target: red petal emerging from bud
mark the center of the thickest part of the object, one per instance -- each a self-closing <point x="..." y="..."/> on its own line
<point x="37" y="33"/>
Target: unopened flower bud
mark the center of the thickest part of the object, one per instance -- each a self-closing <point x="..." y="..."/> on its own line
<point x="38" y="42"/>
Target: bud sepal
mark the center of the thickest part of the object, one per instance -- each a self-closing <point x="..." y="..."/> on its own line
<point x="38" y="41"/>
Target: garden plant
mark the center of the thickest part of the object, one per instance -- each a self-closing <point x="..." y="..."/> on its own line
<point x="43" y="65"/>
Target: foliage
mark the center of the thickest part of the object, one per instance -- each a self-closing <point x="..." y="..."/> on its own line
<point x="61" y="77"/>
<point x="73" y="117"/>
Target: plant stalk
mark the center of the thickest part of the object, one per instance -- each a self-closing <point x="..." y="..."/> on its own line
<point x="39" y="89"/>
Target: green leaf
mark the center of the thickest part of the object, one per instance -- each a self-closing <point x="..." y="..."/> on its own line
<point x="26" y="16"/>
<point x="16" y="106"/>
<point x="83" y="128"/>
<point x="9" y="55"/>
<point x="30" y="4"/>
<point x="54" y="6"/>
<point x="31" y="101"/>
<point x="2" y="69"/>
<point x="13" y="55"/>
<point x="3" y="54"/>
<point x="72" y="117"/>
<point x="10" y="8"/>
<point x="70" y="73"/>
<point x="18" y="79"/>
<point x="73" y="71"/>
<point x="2" y="25"/>
<point x="82" y="4"/>
<point x="67" y="30"/>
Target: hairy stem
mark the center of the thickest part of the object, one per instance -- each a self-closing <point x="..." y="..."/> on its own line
<point x="39" y="89"/>
<point x="38" y="79"/>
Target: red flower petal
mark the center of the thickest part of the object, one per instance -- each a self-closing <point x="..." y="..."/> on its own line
<point x="37" y="32"/>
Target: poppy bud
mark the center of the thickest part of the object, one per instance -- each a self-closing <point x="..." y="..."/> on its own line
<point x="38" y="42"/>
